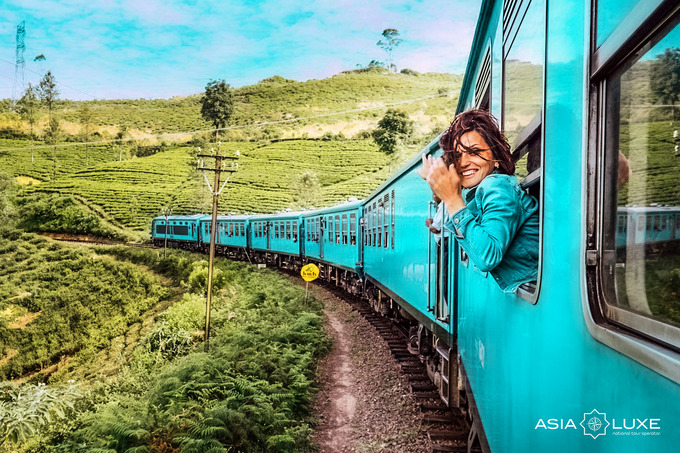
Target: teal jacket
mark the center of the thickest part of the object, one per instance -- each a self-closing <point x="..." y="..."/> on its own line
<point x="498" y="229"/>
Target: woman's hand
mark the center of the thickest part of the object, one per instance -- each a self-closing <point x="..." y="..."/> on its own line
<point x="427" y="164"/>
<point x="445" y="182"/>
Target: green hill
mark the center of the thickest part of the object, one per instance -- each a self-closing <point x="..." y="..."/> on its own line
<point x="348" y="102"/>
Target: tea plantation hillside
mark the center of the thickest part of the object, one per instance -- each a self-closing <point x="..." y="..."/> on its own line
<point x="132" y="192"/>
<point x="430" y="97"/>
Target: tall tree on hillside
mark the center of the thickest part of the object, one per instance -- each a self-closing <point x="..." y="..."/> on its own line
<point x="48" y="92"/>
<point x="27" y="107"/>
<point x="390" y="42"/>
<point x="217" y="104"/>
<point x="392" y="130"/>
<point x="86" y="119"/>
<point x="306" y="187"/>
<point x="665" y="77"/>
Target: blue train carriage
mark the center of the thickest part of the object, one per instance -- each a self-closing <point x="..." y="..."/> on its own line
<point x="587" y="358"/>
<point x="180" y="231"/>
<point x="231" y="238"/>
<point x="276" y="239"/>
<point x="405" y="266"/>
<point x="654" y="226"/>
<point x="332" y="240"/>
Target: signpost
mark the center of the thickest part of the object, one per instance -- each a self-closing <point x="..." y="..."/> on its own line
<point x="309" y="273"/>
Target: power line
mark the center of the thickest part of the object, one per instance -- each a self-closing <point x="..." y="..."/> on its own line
<point x="58" y="83"/>
<point x="245" y="126"/>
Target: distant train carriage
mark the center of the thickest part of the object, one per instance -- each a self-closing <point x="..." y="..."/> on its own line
<point x="231" y="238"/>
<point x="181" y="231"/>
<point x="650" y="225"/>
<point x="277" y="238"/>
<point x="332" y="238"/>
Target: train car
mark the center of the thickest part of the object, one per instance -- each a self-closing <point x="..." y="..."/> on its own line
<point x="231" y="238"/>
<point x="588" y="358"/>
<point x="332" y="239"/>
<point x="276" y="238"/>
<point x="181" y="231"/>
<point x="650" y="225"/>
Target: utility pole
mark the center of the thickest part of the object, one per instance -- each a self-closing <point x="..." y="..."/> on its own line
<point x="219" y="168"/>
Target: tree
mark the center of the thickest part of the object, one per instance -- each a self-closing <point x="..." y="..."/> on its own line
<point x="392" y="130"/>
<point x="390" y="43"/>
<point x="306" y="187"/>
<point x="665" y="77"/>
<point x="53" y="131"/>
<point x="48" y="92"/>
<point x="217" y="104"/>
<point x="86" y="119"/>
<point x="27" y="107"/>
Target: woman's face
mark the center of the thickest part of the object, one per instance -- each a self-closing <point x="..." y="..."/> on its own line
<point x="474" y="159"/>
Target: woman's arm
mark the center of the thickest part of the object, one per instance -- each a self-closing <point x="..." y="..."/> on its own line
<point x="486" y="234"/>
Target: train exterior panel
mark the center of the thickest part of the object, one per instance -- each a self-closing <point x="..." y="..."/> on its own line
<point x="544" y="368"/>
<point x="231" y="231"/>
<point x="332" y="235"/>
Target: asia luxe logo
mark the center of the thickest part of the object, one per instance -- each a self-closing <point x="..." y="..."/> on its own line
<point x="595" y="424"/>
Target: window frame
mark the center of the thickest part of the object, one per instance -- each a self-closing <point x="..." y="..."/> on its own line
<point x="520" y="147"/>
<point x="641" y="338"/>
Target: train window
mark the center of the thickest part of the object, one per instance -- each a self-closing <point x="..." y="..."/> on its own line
<point x="483" y="83"/>
<point x="524" y="41"/>
<point x="392" y="217"/>
<point x="367" y="227"/>
<point x="386" y="209"/>
<point x="337" y="229"/>
<point x="381" y="215"/>
<point x="344" y="229"/>
<point x="352" y="229"/>
<point x="523" y="88"/>
<point x="276" y="230"/>
<point x="609" y="14"/>
<point x="642" y="183"/>
<point x="295" y="231"/>
<point x="374" y="223"/>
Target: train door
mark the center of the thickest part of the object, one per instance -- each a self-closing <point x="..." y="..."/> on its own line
<point x="268" y="231"/>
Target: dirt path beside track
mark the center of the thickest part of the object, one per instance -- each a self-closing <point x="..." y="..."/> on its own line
<point x="364" y="405"/>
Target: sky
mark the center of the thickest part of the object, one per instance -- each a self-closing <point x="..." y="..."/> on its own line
<point x="127" y="49"/>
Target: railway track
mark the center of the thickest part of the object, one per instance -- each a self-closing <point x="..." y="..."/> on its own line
<point x="447" y="428"/>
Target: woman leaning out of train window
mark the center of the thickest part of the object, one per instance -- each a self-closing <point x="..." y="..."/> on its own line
<point x="492" y="218"/>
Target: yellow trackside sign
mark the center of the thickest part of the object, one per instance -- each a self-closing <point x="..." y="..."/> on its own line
<point x="309" y="272"/>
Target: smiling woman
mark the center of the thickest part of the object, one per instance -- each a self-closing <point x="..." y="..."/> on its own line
<point x="492" y="218"/>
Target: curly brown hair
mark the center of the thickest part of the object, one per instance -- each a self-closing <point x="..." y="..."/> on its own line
<point x="485" y="125"/>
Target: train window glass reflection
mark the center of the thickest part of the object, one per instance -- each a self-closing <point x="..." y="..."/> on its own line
<point x="610" y="13"/>
<point x="523" y="93"/>
<point x="640" y="273"/>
